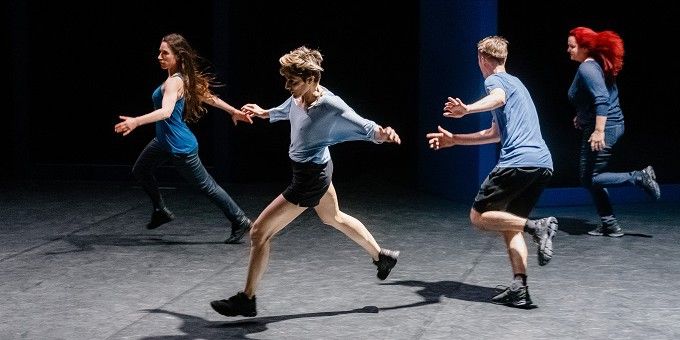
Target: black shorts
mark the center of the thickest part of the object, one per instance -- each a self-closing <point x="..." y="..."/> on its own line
<point x="310" y="182"/>
<point x="515" y="190"/>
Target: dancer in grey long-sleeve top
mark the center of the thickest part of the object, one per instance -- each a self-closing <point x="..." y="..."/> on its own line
<point x="318" y="118"/>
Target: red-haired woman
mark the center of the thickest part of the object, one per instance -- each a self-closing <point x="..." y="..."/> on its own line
<point x="595" y="96"/>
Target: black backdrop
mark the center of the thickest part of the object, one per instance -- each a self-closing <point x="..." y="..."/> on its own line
<point x="76" y="67"/>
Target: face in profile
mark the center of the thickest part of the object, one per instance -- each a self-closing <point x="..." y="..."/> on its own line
<point x="166" y="57"/>
<point x="576" y="53"/>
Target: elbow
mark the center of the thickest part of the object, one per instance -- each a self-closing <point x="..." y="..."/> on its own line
<point x="166" y="115"/>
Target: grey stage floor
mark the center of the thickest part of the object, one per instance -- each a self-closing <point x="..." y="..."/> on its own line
<point x="77" y="263"/>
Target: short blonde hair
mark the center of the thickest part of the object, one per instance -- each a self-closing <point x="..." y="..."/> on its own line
<point x="495" y="47"/>
<point x="302" y="62"/>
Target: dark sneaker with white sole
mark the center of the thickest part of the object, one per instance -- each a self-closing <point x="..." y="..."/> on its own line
<point x="611" y="231"/>
<point x="513" y="296"/>
<point x="546" y="228"/>
<point x="649" y="184"/>
<point x="387" y="259"/>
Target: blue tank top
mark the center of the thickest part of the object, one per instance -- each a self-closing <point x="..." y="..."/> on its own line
<point x="173" y="133"/>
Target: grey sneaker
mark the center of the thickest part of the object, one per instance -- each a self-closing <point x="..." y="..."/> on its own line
<point x="546" y="228"/>
<point x="513" y="296"/>
<point x="611" y="231"/>
<point x="648" y="182"/>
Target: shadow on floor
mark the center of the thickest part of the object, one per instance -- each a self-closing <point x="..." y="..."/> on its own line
<point x="199" y="328"/>
<point x="87" y="242"/>
<point x="431" y="292"/>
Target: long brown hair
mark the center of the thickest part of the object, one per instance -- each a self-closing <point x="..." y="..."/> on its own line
<point x="197" y="81"/>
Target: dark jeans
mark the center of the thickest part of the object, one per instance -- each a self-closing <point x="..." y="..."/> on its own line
<point x="190" y="167"/>
<point x="593" y="171"/>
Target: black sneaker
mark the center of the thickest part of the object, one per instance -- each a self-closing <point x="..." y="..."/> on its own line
<point x="513" y="296"/>
<point x="648" y="182"/>
<point x="611" y="231"/>
<point x="160" y="217"/>
<point x="238" y="230"/>
<point x="387" y="259"/>
<point x="546" y="228"/>
<point x="238" y="304"/>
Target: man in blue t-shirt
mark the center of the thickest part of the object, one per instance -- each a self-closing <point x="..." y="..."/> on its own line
<point x="513" y="187"/>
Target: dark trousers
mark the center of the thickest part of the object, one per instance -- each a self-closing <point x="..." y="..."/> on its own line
<point x="191" y="169"/>
<point x="594" y="174"/>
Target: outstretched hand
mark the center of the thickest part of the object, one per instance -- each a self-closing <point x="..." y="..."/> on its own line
<point x="126" y="126"/>
<point x="455" y="108"/>
<point x="387" y="135"/>
<point x="441" y="139"/>
<point x="255" y="110"/>
<point x="240" y="116"/>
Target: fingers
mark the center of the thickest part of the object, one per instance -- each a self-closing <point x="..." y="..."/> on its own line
<point x="434" y="143"/>
<point x="390" y="135"/>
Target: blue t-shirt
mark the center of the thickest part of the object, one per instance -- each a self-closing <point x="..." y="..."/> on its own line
<point x="173" y="133"/>
<point x="592" y="95"/>
<point x="522" y="144"/>
<point x="327" y="121"/>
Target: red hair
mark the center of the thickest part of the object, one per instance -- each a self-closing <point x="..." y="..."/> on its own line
<point x="606" y="47"/>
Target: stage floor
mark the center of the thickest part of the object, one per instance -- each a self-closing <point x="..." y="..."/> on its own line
<point x="76" y="262"/>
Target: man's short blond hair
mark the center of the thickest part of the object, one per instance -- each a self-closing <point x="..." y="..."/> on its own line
<point x="495" y="47"/>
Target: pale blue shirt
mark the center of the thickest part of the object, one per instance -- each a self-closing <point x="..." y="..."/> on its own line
<point x="522" y="144"/>
<point x="327" y="121"/>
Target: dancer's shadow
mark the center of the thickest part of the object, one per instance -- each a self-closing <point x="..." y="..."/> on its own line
<point x="433" y="292"/>
<point x="199" y="328"/>
<point x="87" y="242"/>
<point x="577" y="226"/>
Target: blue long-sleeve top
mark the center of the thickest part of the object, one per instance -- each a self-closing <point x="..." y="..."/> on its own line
<point x="592" y="95"/>
<point x="327" y="121"/>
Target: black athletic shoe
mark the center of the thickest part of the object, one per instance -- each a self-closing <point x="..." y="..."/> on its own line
<point x="513" y="296"/>
<point x="546" y="228"/>
<point x="238" y="304"/>
<point x="386" y="261"/>
<point x="611" y="231"/>
<point x="238" y="230"/>
<point x="160" y="217"/>
<point x="648" y="182"/>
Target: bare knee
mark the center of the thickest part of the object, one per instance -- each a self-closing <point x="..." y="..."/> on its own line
<point x="334" y="220"/>
<point x="476" y="219"/>
<point x="258" y="235"/>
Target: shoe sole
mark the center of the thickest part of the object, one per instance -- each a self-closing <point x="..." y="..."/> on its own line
<point x="651" y="172"/>
<point x="617" y="234"/>
<point x="552" y="231"/>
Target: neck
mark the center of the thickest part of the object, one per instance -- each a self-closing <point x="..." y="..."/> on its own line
<point x="311" y="96"/>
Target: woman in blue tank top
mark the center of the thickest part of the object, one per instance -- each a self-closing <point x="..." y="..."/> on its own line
<point x="177" y="101"/>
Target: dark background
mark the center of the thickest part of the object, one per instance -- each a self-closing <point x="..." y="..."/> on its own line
<point x="75" y="68"/>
